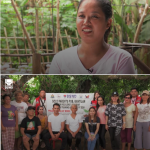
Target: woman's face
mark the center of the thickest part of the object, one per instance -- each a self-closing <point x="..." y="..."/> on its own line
<point x="19" y="97"/>
<point x="40" y="110"/>
<point x="100" y="101"/>
<point x="127" y="99"/>
<point x="114" y="98"/>
<point x="7" y="100"/>
<point x="96" y="95"/>
<point x="92" y="112"/>
<point x="145" y="97"/>
<point x="91" y="22"/>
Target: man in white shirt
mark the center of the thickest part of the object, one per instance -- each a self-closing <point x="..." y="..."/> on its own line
<point x="73" y="125"/>
<point x="56" y="124"/>
<point x="40" y="101"/>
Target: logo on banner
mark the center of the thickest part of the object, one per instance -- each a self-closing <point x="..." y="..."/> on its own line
<point x="68" y="96"/>
<point x="8" y="83"/>
<point x="81" y="96"/>
<point x="58" y="96"/>
<point x="65" y="96"/>
<point x="52" y="96"/>
<point x="87" y="96"/>
<point x="74" y="96"/>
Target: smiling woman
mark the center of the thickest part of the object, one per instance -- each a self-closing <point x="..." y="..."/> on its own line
<point x="93" y="55"/>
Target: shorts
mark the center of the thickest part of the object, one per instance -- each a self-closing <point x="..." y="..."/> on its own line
<point x="31" y="136"/>
<point x="18" y="133"/>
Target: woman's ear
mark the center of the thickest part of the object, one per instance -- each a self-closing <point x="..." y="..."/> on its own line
<point x="109" y="22"/>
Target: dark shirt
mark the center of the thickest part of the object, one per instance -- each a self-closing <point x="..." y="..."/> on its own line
<point x="92" y="125"/>
<point x="30" y="125"/>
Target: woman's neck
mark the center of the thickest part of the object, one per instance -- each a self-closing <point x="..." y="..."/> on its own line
<point x="114" y="103"/>
<point x="7" y="105"/>
<point x="144" y="102"/>
<point x="18" y="101"/>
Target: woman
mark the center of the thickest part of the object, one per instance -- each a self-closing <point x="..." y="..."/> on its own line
<point x="73" y="125"/>
<point x="101" y="107"/>
<point x="21" y="108"/>
<point x="94" y="101"/>
<point x="9" y="123"/>
<point x="142" y="123"/>
<point x="126" y="135"/>
<point x="115" y="120"/>
<point x="94" y="55"/>
<point x="44" y="123"/>
<point x="92" y="123"/>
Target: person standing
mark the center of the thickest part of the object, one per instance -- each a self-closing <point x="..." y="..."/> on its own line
<point x="31" y="129"/>
<point x="56" y="124"/>
<point x="115" y="120"/>
<point x="136" y="99"/>
<point x="73" y="125"/>
<point x="94" y="101"/>
<point x="92" y="123"/>
<point x="101" y="107"/>
<point x="126" y="135"/>
<point x="21" y="108"/>
<point x="142" y="123"/>
<point x="9" y="123"/>
<point x="40" y="101"/>
<point x="26" y="99"/>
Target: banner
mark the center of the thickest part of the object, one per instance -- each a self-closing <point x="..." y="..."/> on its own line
<point x="65" y="100"/>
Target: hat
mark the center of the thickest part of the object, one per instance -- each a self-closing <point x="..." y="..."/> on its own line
<point x="114" y="93"/>
<point x="30" y="108"/>
<point x="145" y="92"/>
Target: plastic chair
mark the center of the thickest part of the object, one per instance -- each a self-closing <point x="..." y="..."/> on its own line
<point x="60" y="139"/>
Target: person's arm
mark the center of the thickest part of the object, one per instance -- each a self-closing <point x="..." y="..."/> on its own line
<point x="80" y="125"/>
<point x="46" y="122"/>
<point x="38" y="133"/>
<point x="34" y="103"/>
<point x="3" y="128"/>
<point x="61" y="130"/>
<point x="106" y="126"/>
<point x="97" y="129"/>
<point x="16" y="115"/>
<point x="88" y="131"/>
<point x="67" y="126"/>
<point x="123" y="126"/>
<point x="50" y="130"/>
<point x="135" y="118"/>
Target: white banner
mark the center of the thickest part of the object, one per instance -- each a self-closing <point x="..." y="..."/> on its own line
<point x="83" y="101"/>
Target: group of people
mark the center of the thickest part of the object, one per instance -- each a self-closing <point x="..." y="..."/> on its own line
<point x="23" y="122"/>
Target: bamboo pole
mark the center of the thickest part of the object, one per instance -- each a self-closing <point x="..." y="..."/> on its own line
<point x="77" y="37"/>
<point x="46" y="45"/>
<point x="70" y="41"/>
<point x="23" y="27"/>
<point x="61" y="41"/>
<point x="16" y="44"/>
<point x="58" y="28"/>
<point x="67" y="38"/>
<point x="37" y="30"/>
<point x="5" y="32"/>
<point x="141" y="22"/>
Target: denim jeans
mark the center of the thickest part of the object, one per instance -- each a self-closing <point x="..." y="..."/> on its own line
<point x="91" y="144"/>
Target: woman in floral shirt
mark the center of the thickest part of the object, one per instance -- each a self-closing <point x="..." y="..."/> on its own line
<point x="115" y="120"/>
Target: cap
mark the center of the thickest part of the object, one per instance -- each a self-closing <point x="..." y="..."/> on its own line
<point x="114" y="93"/>
<point x="30" y="108"/>
<point x="145" y="92"/>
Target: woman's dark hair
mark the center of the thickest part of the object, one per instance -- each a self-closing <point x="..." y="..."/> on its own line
<point x="97" y="105"/>
<point x="127" y="95"/>
<point x="94" y="95"/>
<point x="95" y="116"/>
<point x="4" y="96"/>
<point x="39" y="107"/>
<point x="106" y="7"/>
<point x="148" y="101"/>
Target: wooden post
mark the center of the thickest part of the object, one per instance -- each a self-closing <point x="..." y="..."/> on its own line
<point x="7" y="43"/>
<point x="16" y="45"/>
<point x="77" y="37"/>
<point x="61" y="41"/>
<point x="37" y="31"/>
<point x="36" y="63"/>
<point x="23" y="27"/>
<point x="46" y="45"/>
<point x="67" y="38"/>
<point x="58" y="28"/>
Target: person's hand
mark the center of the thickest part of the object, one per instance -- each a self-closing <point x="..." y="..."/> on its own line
<point x="123" y="126"/>
<point x="134" y="128"/>
<point x="37" y="137"/>
<point x="53" y="137"/>
<point x="3" y="129"/>
<point x="57" y="136"/>
<point x="89" y="138"/>
<point x="106" y="127"/>
<point x="16" y="128"/>
<point x="149" y="129"/>
<point x="93" y="137"/>
<point x="72" y="133"/>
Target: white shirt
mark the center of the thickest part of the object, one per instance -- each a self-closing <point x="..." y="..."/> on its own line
<point x="45" y="104"/>
<point x="115" y="61"/>
<point x="21" y="108"/>
<point x="129" y="116"/>
<point x="56" y="121"/>
<point x="74" y="123"/>
<point x="143" y="112"/>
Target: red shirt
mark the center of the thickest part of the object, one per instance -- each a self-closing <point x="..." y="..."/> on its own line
<point x="93" y="103"/>
<point x="136" y="101"/>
